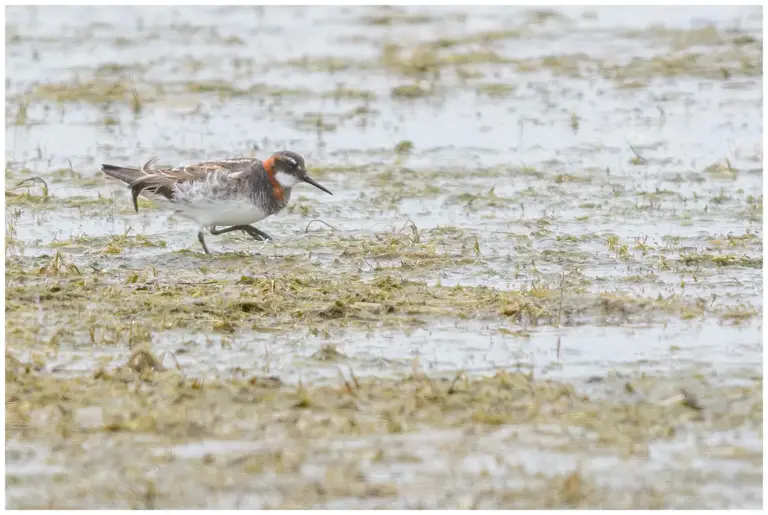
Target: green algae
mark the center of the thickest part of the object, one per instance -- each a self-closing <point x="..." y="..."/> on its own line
<point x="343" y="92"/>
<point x="404" y="147"/>
<point x="97" y="91"/>
<point x="410" y="91"/>
<point x="682" y="39"/>
<point x="396" y="18"/>
<point x="496" y="90"/>
<point x="428" y="60"/>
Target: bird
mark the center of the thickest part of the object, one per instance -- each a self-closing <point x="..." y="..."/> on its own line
<point x="230" y="193"/>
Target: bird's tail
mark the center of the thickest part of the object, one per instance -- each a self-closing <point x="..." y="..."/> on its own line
<point x="132" y="177"/>
<point x="121" y="173"/>
<point x="126" y="174"/>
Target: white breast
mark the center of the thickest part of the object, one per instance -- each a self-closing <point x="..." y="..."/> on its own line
<point x="222" y="213"/>
<point x="212" y="202"/>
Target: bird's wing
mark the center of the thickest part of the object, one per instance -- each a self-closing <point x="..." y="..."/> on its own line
<point x="161" y="181"/>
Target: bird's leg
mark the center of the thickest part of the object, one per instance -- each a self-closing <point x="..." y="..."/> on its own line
<point x="252" y="231"/>
<point x="256" y="234"/>
<point x="202" y="241"/>
<point x="216" y="231"/>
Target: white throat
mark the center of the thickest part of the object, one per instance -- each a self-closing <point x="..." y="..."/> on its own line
<point x="286" y="180"/>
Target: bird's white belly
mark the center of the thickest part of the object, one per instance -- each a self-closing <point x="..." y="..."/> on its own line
<point x="223" y="213"/>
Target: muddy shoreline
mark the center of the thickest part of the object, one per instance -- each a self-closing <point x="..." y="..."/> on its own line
<point x="538" y="283"/>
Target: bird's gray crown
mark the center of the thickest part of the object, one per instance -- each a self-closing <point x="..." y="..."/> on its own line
<point x="291" y="160"/>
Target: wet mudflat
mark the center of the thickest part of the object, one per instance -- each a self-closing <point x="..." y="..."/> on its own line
<point x="538" y="282"/>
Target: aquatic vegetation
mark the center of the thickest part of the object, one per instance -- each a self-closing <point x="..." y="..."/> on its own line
<point x="524" y="264"/>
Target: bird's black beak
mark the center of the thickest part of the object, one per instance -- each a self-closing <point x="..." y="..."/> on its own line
<point x="314" y="183"/>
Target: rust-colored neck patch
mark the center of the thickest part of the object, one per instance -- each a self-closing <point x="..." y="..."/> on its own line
<point x="277" y="191"/>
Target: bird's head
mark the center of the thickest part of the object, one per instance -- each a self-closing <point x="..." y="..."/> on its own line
<point x="287" y="169"/>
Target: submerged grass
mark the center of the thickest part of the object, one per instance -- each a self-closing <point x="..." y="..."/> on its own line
<point x="97" y="91"/>
<point x="298" y="293"/>
<point x="162" y="406"/>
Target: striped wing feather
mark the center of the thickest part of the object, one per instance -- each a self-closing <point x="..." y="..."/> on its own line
<point x="161" y="182"/>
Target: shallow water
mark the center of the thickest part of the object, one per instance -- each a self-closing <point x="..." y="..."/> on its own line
<point x="594" y="161"/>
